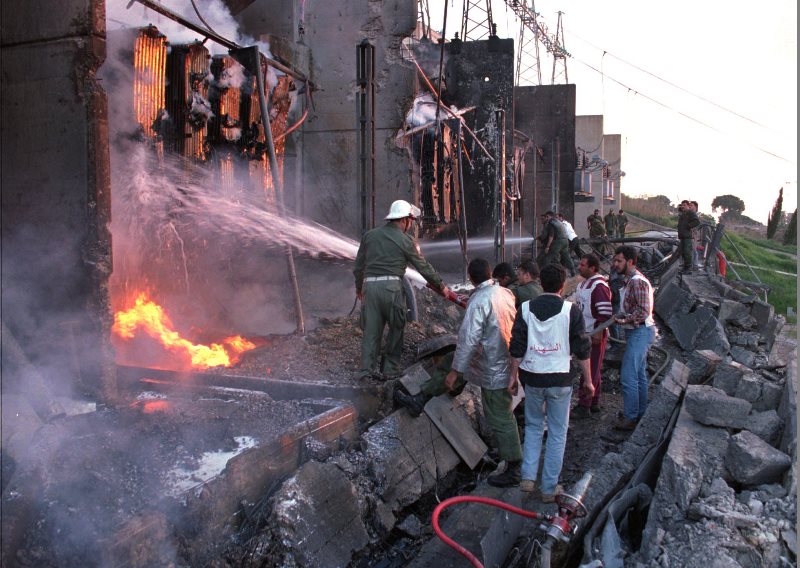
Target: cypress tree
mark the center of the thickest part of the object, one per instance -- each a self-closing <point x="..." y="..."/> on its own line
<point x="774" y="218"/>
<point x="790" y="236"/>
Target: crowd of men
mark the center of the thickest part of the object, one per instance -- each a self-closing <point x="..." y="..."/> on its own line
<point x="517" y="330"/>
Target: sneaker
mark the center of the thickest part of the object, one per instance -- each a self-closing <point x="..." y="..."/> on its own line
<point x="551" y="497"/>
<point x="581" y="412"/>
<point x="595" y="408"/>
<point x="625" y="424"/>
<point x="527" y="485"/>
<point x="509" y="478"/>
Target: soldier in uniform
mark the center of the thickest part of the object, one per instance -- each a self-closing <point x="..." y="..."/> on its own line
<point x="383" y="256"/>
<point x="622" y="223"/>
<point x="528" y="286"/>
<point x="595" y="224"/>
<point x="556" y="246"/>
<point x="611" y="223"/>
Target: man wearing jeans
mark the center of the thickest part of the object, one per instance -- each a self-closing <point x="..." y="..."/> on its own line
<point x="547" y="332"/>
<point x="636" y="301"/>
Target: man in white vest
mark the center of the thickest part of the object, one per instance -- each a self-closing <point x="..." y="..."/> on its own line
<point x="594" y="299"/>
<point x="547" y="332"/>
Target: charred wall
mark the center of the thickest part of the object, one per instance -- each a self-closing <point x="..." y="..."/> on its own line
<point x="326" y="189"/>
<point x="546" y="113"/>
<point x="481" y="74"/>
<point x="56" y="249"/>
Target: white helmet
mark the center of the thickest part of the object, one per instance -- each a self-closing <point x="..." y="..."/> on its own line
<point x="401" y="209"/>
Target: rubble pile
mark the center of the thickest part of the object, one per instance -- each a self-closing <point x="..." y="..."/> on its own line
<point x="727" y="493"/>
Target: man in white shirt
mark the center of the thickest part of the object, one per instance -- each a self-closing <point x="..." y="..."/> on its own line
<point x="569" y="230"/>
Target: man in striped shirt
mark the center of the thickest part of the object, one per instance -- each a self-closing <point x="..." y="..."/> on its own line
<point x="594" y="300"/>
<point x="636" y="301"/>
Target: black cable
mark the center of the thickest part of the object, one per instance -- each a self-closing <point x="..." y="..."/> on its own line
<point x="670" y="83"/>
<point x="666" y="106"/>
<point x="196" y="11"/>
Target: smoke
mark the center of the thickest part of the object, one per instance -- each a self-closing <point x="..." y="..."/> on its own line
<point x="214" y="12"/>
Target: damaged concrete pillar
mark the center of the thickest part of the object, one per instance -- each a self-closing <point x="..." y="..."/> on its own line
<point x="55" y="190"/>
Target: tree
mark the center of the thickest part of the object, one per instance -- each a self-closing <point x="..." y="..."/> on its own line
<point x="774" y="218"/>
<point x="790" y="236"/>
<point x="728" y="203"/>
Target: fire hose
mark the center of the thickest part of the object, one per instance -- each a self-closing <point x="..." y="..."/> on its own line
<point x="558" y="527"/>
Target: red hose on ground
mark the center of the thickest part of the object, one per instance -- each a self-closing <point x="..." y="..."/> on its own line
<point x="470" y="499"/>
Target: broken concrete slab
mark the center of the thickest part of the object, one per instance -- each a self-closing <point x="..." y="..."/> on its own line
<point x="711" y="406"/>
<point x="762" y="312"/>
<point x="730" y="309"/>
<point x="702" y="364"/>
<point x="771" y="331"/>
<point x="453" y="423"/>
<point x="743" y="355"/>
<point x="695" y="454"/>
<point x="763" y="394"/>
<point x="751" y="461"/>
<point x="714" y="338"/>
<point x="413" y="378"/>
<point x="317" y="517"/>
<point x="407" y="455"/>
<point x="766" y="425"/>
<point x="672" y="299"/>
<point x="699" y="329"/>
<point x="727" y="377"/>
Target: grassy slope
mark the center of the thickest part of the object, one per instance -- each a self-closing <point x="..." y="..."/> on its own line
<point x="759" y="253"/>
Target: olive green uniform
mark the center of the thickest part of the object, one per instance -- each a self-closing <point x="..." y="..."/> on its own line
<point x="525" y="292"/>
<point x="622" y="222"/>
<point x="385" y="253"/>
<point x="687" y="221"/>
<point x="596" y="228"/>
<point x="611" y="224"/>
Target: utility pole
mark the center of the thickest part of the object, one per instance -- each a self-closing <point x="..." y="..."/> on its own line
<point x="476" y="22"/>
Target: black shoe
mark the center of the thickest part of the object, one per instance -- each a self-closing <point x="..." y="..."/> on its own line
<point x="413" y="403"/>
<point x="595" y="408"/>
<point x="581" y="412"/>
<point x="509" y="478"/>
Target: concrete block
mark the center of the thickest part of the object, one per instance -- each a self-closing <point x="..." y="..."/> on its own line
<point x="687" y="327"/>
<point x="771" y="331"/>
<point x="763" y="394"/>
<point x="695" y="456"/>
<point x="766" y="425"/>
<point x="762" y="312"/>
<point x="672" y="299"/>
<point x="406" y="456"/>
<point x="727" y="377"/>
<point x="743" y="355"/>
<point x="730" y="309"/>
<point x="712" y="407"/>
<point x="702" y="365"/>
<point x="318" y="518"/>
<point x="713" y="338"/>
<point x="751" y="461"/>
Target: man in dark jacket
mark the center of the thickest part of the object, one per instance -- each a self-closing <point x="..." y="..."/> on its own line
<point x="687" y="220"/>
<point x="547" y="332"/>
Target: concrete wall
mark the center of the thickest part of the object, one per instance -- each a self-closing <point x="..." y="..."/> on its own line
<point x="55" y="199"/>
<point x="589" y="139"/>
<point x="326" y="189"/>
<point x="546" y="113"/>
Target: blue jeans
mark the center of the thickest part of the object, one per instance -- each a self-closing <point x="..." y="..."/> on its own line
<point x="553" y="401"/>
<point x="633" y="375"/>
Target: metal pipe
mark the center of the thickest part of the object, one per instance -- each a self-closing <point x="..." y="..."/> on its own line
<point x="462" y="218"/>
<point x="214" y="36"/>
<point x="467" y="128"/>
<point x="255" y="61"/>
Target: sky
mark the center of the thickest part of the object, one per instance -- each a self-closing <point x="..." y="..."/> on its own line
<point x="693" y="58"/>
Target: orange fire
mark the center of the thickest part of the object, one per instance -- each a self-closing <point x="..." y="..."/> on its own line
<point x="150" y="318"/>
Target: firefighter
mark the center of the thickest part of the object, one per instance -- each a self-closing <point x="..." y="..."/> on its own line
<point x="383" y="256"/>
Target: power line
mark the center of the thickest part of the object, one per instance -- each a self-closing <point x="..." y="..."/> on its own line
<point x="670" y="83"/>
<point x="666" y="106"/>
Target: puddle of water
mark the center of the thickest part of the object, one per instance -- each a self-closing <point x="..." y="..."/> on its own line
<point x="180" y="480"/>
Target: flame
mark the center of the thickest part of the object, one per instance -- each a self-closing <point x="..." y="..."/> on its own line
<point x="151" y="318"/>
